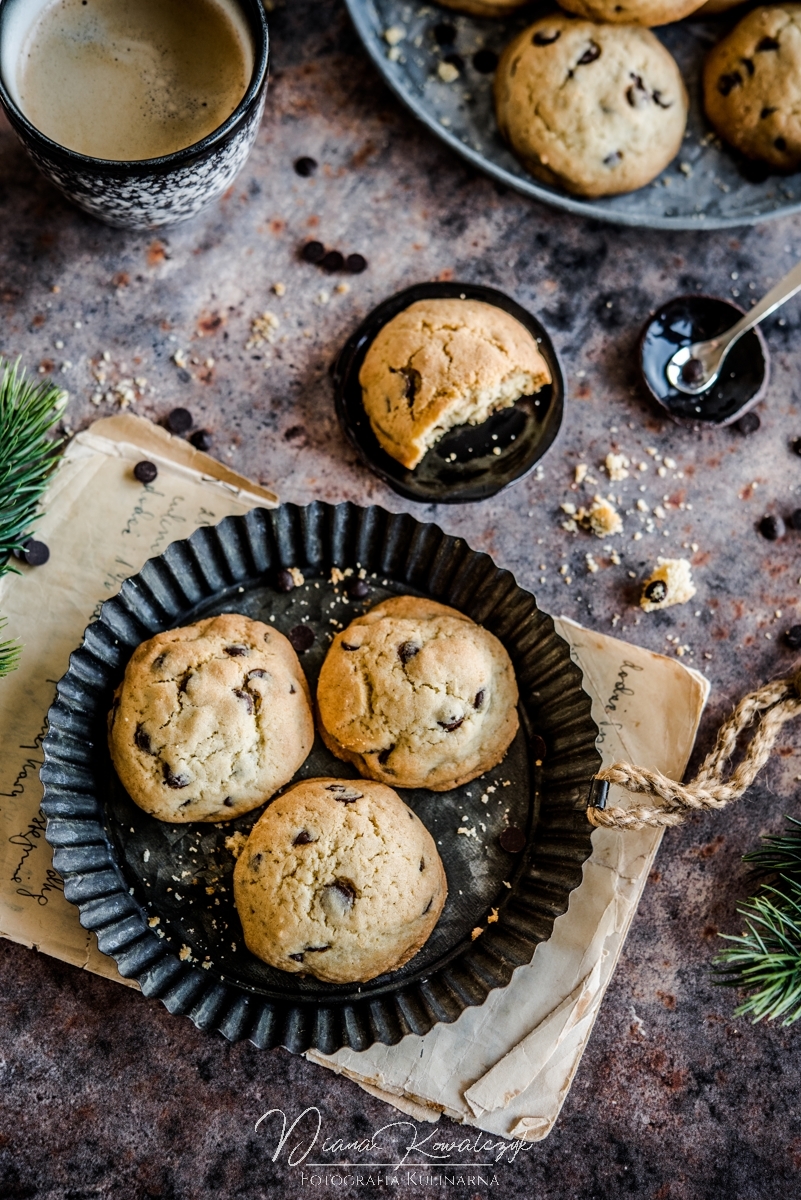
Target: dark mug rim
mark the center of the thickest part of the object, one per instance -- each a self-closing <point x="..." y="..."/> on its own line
<point x="257" y="20"/>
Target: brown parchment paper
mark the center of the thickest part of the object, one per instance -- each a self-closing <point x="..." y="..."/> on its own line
<point x="506" y="1066"/>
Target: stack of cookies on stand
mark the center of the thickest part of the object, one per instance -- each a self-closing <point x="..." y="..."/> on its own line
<point x="591" y="101"/>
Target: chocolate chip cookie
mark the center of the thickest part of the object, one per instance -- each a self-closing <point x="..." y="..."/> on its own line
<point x="338" y="879"/>
<point x="752" y="86"/>
<point x="595" y="109"/>
<point x="632" y="12"/>
<point x="210" y="720"/>
<point x="416" y="694"/>
<point x="441" y="363"/>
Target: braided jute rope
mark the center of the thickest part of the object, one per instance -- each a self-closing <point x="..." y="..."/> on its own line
<point x="769" y="707"/>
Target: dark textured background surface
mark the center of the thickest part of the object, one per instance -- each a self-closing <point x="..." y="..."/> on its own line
<point x="105" y="1095"/>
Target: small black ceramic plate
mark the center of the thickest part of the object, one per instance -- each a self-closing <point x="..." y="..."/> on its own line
<point x="159" y="895"/>
<point x="522" y="433"/>
<point x="742" y="382"/>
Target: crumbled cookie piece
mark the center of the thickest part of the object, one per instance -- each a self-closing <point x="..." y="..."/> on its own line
<point x="236" y="842"/>
<point x="616" y="467"/>
<point x="669" y="583"/>
<point x="601" y="517"/>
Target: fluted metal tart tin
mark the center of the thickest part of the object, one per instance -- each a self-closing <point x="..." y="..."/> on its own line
<point x="470" y="462"/>
<point x="158" y="896"/>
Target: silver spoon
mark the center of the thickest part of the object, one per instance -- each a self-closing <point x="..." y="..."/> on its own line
<point x="693" y="369"/>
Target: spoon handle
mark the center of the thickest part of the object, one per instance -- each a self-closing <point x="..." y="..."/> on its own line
<point x="777" y="295"/>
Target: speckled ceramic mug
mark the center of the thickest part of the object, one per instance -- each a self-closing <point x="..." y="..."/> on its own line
<point x="146" y="193"/>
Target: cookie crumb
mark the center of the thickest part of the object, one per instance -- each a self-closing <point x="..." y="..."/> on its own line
<point x="262" y="329"/>
<point x="580" y="473"/>
<point x="493" y="917"/>
<point x="236" y="843"/>
<point x="394" y="34"/>
<point x="669" y="583"/>
<point x="447" y="72"/>
<point x="279" y="289"/>
<point x="616" y="467"/>
<point x="297" y="576"/>
<point x="185" y="953"/>
<point x="477" y="932"/>
<point x="153" y="921"/>
<point x="602" y="518"/>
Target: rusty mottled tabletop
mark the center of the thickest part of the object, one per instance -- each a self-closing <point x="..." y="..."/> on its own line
<point x="106" y="1095"/>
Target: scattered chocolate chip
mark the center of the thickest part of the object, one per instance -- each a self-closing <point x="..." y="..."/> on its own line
<point x="228" y="802"/>
<point x="145" y="471"/>
<point x="656" y="591"/>
<point x="450" y="726"/>
<point x="485" y="61"/>
<point x="35" y="553"/>
<point x="383" y="756"/>
<point x="772" y="527"/>
<point x="538" y="748"/>
<point x="727" y="83"/>
<point x="301" y="638"/>
<point x="347" y="646"/>
<point x="444" y="33"/>
<point x="284" y="581"/>
<point x="479" y="699"/>
<point x="174" y="781"/>
<point x="332" y="261"/>
<point x="201" y="439"/>
<point x="592" y="52"/>
<point x="142" y="740"/>
<point x="748" y="423"/>
<point x="357" y="589"/>
<point x="355" y="264"/>
<point x="427" y="907"/>
<point x="513" y="840"/>
<point x="692" y="371"/>
<point x="241" y="694"/>
<point x="179" y="421"/>
<point x="781" y="144"/>
<point x="236" y="651"/>
<point x="407" y="651"/>
<point x="455" y="60"/>
<point x="304" y="838"/>
<point x="793" y="637"/>
<point x="313" y="252"/>
<point x="316" y="949"/>
<point x="305" y="166"/>
<point x="794" y="519"/>
<point x="296" y="957"/>
<point x="543" y="38"/>
<point x="768" y="43"/>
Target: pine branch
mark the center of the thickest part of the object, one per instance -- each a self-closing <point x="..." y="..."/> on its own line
<point x="28" y="411"/>
<point x="9" y="654"/>
<point x="766" y="959"/>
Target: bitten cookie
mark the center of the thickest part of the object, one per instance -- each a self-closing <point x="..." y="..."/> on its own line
<point x="210" y="720"/>
<point x="417" y="695"/>
<point x="632" y="12"/>
<point x="338" y="879"/>
<point x="441" y="363"/>
<point x="752" y="86"/>
<point x="596" y="109"/>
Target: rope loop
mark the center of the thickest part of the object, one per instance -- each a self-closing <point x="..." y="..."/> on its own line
<point x="767" y="709"/>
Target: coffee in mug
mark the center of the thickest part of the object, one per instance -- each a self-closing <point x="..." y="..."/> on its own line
<point x="132" y="79"/>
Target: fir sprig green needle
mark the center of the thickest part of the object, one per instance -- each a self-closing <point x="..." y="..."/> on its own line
<point x="28" y="412"/>
<point x="9" y="654"/>
<point x="766" y="960"/>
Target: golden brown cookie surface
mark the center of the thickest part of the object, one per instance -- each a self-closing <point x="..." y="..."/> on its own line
<point x="338" y="879"/>
<point x="632" y="12"/>
<point x="416" y="694"/>
<point x="210" y="720"/>
<point x="441" y="363"/>
<point x="595" y="109"/>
